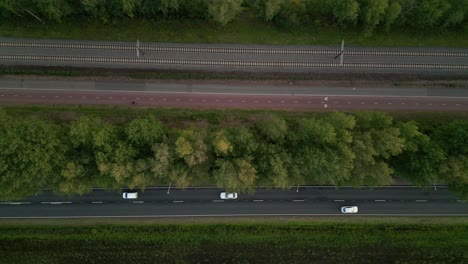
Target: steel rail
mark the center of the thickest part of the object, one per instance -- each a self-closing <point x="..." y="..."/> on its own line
<point x="234" y="63"/>
<point x="267" y="51"/>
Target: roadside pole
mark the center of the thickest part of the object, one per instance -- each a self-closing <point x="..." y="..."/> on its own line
<point x="342" y="50"/>
<point x="138" y="48"/>
<point x="169" y="189"/>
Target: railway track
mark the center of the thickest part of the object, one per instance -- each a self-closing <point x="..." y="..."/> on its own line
<point x="231" y="57"/>
<point x="226" y="50"/>
<point x="267" y="64"/>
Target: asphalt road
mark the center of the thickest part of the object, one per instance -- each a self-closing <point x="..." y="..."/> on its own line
<point x="202" y="96"/>
<point x="234" y="57"/>
<point x="164" y="202"/>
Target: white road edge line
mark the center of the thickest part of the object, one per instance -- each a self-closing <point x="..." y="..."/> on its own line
<point x="339" y="200"/>
<point x="56" y="202"/>
<point x="421" y="200"/>
<point x="249" y="94"/>
<point x="214" y="215"/>
<point x="258" y="200"/>
<point x="96" y="202"/>
<point x="177" y="201"/>
<point x="138" y="202"/>
<point x="298" y="200"/>
<point x="15" y="203"/>
<point x="379" y="200"/>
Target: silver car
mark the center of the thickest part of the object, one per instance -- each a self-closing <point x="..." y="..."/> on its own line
<point x="228" y="196"/>
<point x="130" y="195"/>
<point x="350" y="209"/>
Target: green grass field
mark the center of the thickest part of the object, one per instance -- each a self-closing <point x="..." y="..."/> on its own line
<point x="235" y="243"/>
<point x="245" y="29"/>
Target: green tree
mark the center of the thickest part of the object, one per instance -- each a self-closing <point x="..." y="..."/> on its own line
<point x="453" y="137"/>
<point x="145" y="131"/>
<point x="271" y="8"/>
<point x="272" y="128"/>
<point x="243" y="141"/>
<point x="391" y="14"/>
<point x="179" y="174"/>
<point x="454" y="171"/>
<point x="130" y="6"/>
<point x="191" y="147"/>
<point x="221" y="144"/>
<point x="236" y="175"/>
<point x="345" y="12"/>
<point x="375" y="141"/>
<point x="372" y="13"/>
<point x="429" y="13"/>
<point x="421" y="157"/>
<point x="223" y="11"/>
<point x="32" y="154"/>
<point x="161" y="161"/>
<point x="272" y="162"/>
<point x="319" y="155"/>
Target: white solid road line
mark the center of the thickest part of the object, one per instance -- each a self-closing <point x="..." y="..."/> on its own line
<point x="15" y="203"/>
<point x="218" y="201"/>
<point x="96" y="202"/>
<point x="421" y="200"/>
<point x="56" y="202"/>
<point x="219" y="215"/>
<point x="177" y="201"/>
<point x="138" y="202"/>
<point x="258" y="200"/>
<point x="298" y="200"/>
<point x="244" y="94"/>
<point x="339" y="200"/>
<point x="379" y="200"/>
<point x="302" y="186"/>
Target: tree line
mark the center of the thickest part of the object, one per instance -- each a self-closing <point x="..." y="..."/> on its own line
<point x="366" y="148"/>
<point x="366" y="15"/>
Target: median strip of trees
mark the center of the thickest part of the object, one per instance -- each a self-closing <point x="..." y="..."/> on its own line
<point x="363" y="148"/>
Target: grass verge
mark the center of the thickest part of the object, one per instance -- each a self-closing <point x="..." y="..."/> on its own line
<point x="239" y="31"/>
<point x="236" y="243"/>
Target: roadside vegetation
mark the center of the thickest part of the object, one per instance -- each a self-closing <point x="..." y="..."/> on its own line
<point x="71" y="154"/>
<point x="235" y="243"/>
<point x="359" y="22"/>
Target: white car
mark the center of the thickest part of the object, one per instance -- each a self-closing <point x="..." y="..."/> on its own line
<point x="349" y="209"/>
<point x="130" y="195"/>
<point x="228" y="196"/>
